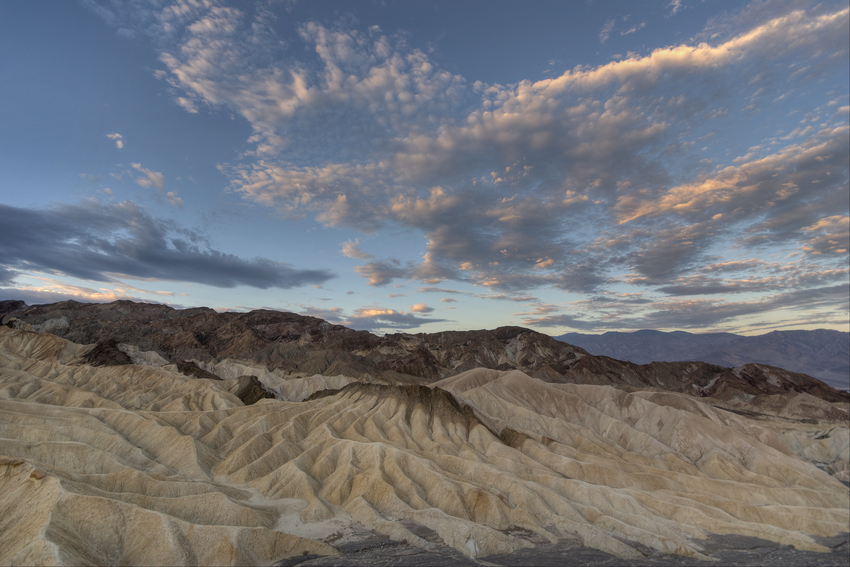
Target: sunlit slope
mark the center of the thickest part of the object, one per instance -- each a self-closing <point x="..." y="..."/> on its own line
<point x="132" y="464"/>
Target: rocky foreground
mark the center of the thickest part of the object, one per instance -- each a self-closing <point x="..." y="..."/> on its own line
<point x="138" y="434"/>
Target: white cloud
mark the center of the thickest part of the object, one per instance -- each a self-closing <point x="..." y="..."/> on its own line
<point x="150" y="179"/>
<point x="117" y="138"/>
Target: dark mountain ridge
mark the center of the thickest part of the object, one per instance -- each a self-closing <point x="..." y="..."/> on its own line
<point x="308" y="345"/>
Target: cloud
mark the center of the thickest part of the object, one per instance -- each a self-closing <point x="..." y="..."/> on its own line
<point x="100" y="242"/>
<point x="421" y="308"/>
<point x="829" y="236"/>
<point x="698" y="313"/>
<point x="432" y="289"/>
<point x="605" y="32"/>
<point x="40" y="296"/>
<point x="117" y="138"/>
<point x="380" y="318"/>
<point x="382" y="273"/>
<point x="332" y="315"/>
<point x="51" y="290"/>
<point x="633" y="29"/>
<point x="772" y="181"/>
<point x="155" y="179"/>
<point x="7" y="276"/>
<point x="675" y="6"/>
<point x="754" y="277"/>
<point x="151" y="178"/>
<point x="578" y="182"/>
<point x="351" y="249"/>
<point x="503" y="297"/>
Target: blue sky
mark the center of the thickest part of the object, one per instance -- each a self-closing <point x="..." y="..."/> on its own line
<point x="422" y="166"/>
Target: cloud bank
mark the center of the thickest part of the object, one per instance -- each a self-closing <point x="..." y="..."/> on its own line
<point x="100" y="243"/>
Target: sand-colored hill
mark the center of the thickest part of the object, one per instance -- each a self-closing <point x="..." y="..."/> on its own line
<point x="134" y="464"/>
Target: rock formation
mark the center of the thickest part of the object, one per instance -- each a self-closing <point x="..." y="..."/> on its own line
<point x="194" y="437"/>
<point x="297" y="344"/>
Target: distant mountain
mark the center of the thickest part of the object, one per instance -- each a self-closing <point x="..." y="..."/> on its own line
<point x="292" y="343"/>
<point x="822" y="353"/>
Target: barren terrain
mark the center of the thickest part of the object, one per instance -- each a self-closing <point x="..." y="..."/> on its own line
<point x="496" y="447"/>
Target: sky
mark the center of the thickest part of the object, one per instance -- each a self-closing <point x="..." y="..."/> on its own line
<point x="400" y="166"/>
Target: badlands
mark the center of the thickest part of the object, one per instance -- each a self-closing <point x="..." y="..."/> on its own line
<point x="136" y="434"/>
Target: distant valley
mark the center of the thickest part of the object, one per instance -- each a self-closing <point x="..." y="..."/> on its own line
<point x="822" y="353"/>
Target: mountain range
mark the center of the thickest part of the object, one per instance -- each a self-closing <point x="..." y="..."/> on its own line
<point x="134" y="433"/>
<point x="824" y="354"/>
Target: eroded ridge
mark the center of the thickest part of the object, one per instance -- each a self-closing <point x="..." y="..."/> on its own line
<point x="137" y="464"/>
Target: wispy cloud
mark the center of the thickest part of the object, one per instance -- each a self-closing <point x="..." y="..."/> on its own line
<point x="605" y="32"/>
<point x="155" y="179"/>
<point x="675" y="6"/>
<point x="633" y="29"/>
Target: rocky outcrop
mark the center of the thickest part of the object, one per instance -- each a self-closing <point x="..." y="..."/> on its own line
<point x="769" y="379"/>
<point x="250" y="390"/>
<point x="11" y="306"/>
<point x="106" y="353"/>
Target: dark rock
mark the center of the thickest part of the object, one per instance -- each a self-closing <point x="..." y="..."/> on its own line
<point x="105" y="353"/>
<point x="11" y="306"/>
<point x="251" y="391"/>
<point x="189" y="368"/>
